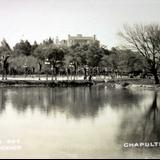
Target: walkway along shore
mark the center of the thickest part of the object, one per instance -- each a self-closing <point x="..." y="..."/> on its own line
<point x="113" y="83"/>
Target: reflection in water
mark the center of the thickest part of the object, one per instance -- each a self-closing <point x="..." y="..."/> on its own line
<point x="151" y="131"/>
<point x="123" y="99"/>
<point x="144" y="127"/>
<point x="123" y="114"/>
<point x="75" y="102"/>
<point x="2" y="99"/>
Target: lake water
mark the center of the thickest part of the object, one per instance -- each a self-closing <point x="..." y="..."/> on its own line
<point x="79" y="122"/>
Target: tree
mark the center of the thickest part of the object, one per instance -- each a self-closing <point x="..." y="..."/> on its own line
<point x="5" y="53"/>
<point x="50" y="52"/>
<point x="24" y="64"/>
<point x="114" y="61"/>
<point x="74" y="58"/>
<point x="55" y="55"/>
<point x="23" y="48"/>
<point x="145" y="39"/>
<point x="33" y="47"/>
<point x="94" y="56"/>
<point x="48" y="41"/>
<point x="40" y="53"/>
<point x="87" y="57"/>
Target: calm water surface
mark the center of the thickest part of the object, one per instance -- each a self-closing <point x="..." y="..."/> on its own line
<point x="78" y="122"/>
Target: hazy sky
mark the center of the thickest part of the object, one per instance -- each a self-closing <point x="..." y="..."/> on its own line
<point x="40" y="19"/>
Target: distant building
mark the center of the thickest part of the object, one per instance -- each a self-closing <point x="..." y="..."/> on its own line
<point x="80" y="39"/>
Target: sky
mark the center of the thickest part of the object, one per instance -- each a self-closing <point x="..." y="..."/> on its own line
<point x="41" y="19"/>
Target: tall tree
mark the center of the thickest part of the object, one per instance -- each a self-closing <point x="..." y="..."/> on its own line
<point x="33" y="47"/>
<point x="145" y="39"/>
<point x="23" y="48"/>
<point x="5" y="53"/>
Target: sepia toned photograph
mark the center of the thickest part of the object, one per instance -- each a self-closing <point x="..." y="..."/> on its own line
<point x="80" y="79"/>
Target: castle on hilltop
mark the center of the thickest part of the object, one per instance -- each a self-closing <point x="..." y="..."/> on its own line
<point x="78" y="39"/>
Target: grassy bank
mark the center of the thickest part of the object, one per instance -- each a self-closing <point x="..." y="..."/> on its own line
<point x="44" y="83"/>
<point x="117" y="83"/>
<point x="132" y="82"/>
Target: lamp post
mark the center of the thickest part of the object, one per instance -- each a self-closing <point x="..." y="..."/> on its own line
<point x="40" y="68"/>
<point x="52" y="69"/>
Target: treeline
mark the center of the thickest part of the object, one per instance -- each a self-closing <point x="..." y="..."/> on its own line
<point x="26" y="58"/>
<point x="46" y="57"/>
<point x="140" y="58"/>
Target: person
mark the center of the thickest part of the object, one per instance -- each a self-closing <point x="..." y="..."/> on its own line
<point x="85" y="77"/>
<point x="90" y="78"/>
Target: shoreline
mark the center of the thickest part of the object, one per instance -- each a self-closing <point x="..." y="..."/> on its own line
<point x="111" y="83"/>
<point x="133" y="83"/>
<point x="44" y="83"/>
